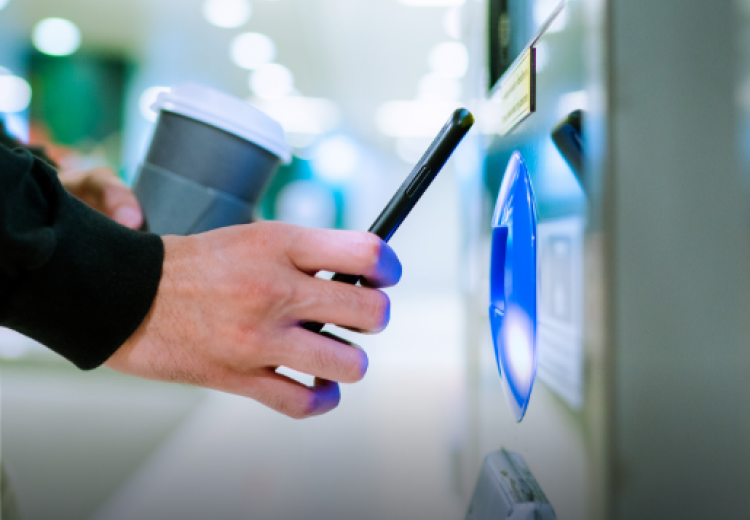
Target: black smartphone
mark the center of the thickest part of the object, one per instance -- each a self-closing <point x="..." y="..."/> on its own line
<point x="413" y="187"/>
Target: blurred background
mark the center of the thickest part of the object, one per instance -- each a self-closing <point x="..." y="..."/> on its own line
<point x="360" y="87"/>
<point x="640" y="353"/>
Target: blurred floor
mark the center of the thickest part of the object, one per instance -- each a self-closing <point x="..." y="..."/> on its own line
<point x="385" y="453"/>
<point x="70" y="438"/>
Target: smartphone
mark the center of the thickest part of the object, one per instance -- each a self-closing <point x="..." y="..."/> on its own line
<point x="413" y="187"/>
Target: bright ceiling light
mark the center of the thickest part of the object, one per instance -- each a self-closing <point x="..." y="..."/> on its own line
<point x="302" y="115"/>
<point x="430" y="3"/>
<point x="452" y="23"/>
<point x="227" y="13"/>
<point x="252" y="50"/>
<point x="336" y="158"/>
<point x="420" y="118"/>
<point x="3" y="3"/>
<point x="433" y="86"/>
<point x="147" y="100"/>
<point x="449" y="59"/>
<point x="15" y="94"/>
<point x="272" y="81"/>
<point x="56" y="37"/>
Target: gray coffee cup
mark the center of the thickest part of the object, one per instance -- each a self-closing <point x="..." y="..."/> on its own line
<point x="209" y="161"/>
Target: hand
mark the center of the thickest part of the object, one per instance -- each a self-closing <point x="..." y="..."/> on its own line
<point x="230" y="304"/>
<point x="101" y="189"/>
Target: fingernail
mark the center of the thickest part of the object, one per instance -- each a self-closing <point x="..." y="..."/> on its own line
<point x="128" y="216"/>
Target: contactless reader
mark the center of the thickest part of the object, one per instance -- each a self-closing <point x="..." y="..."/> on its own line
<point x="513" y="285"/>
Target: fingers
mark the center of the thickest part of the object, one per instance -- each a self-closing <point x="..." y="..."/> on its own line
<point x="118" y="201"/>
<point x="121" y="206"/>
<point x="345" y="305"/>
<point x="288" y="396"/>
<point x="323" y="355"/>
<point x="349" y="252"/>
<point x="102" y="190"/>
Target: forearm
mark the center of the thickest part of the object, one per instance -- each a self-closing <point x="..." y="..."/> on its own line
<point x="69" y="277"/>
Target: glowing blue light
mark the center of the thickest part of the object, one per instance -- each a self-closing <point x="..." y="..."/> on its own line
<point x="513" y="285"/>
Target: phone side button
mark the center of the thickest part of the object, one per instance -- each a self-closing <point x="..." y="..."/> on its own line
<point x="417" y="182"/>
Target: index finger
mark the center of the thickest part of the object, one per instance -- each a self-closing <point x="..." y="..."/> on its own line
<point x="348" y="252"/>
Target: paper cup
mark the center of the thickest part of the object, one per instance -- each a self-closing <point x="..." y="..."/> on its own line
<point x="209" y="161"/>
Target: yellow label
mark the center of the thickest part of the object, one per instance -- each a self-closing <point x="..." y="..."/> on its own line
<point x="518" y="92"/>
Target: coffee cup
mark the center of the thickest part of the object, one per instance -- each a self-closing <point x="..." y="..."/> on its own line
<point x="209" y="161"/>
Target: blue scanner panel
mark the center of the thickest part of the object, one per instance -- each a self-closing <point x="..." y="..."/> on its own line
<point x="513" y="285"/>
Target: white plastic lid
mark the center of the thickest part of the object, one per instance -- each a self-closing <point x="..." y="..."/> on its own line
<point x="227" y="113"/>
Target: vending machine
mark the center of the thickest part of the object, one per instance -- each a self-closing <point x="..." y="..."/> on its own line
<point x="604" y="218"/>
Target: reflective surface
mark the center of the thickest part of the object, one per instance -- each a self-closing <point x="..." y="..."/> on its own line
<point x="513" y="285"/>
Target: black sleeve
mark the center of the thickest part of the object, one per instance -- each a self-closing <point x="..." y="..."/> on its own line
<point x="70" y="278"/>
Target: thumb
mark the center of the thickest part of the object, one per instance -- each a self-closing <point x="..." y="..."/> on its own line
<point x="121" y="206"/>
<point x="128" y="216"/>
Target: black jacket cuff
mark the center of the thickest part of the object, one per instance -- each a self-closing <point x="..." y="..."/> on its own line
<point x="93" y="292"/>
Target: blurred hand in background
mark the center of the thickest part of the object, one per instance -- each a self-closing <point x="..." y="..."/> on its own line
<point x="101" y="189"/>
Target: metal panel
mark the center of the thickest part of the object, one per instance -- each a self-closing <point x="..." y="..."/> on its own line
<point x="642" y="408"/>
<point x="676" y="222"/>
